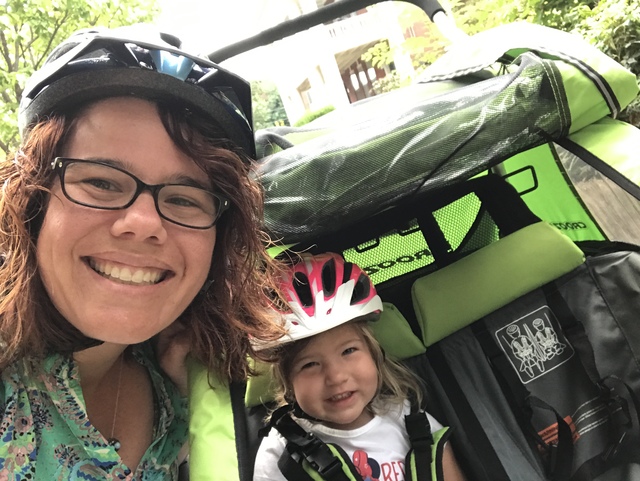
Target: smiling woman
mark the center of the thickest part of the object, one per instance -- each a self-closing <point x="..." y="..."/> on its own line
<point x="130" y="228"/>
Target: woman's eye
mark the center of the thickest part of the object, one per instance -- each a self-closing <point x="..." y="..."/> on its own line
<point x="102" y="184"/>
<point x="181" y="201"/>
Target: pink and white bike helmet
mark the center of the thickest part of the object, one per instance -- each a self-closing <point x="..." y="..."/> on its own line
<point x="324" y="291"/>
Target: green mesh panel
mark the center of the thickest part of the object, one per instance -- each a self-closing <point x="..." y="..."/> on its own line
<point x="456" y="219"/>
<point x="465" y="224"/>
<point x="391" y="255"/>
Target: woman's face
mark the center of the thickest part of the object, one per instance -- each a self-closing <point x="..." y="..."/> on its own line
<point x="123" y="275"/>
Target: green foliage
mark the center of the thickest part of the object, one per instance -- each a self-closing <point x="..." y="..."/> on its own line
<point x="30" y="29"/>
<point x="423" y="49"/>
<point x="380" y="55"/>
<point x="477" y="15"/>
<point x="614" y="28"/>
<point x="309" y="116"/>
<point x="474" y="16"/>
<point x="391" y="81"/>
<point x="268" y="109"/>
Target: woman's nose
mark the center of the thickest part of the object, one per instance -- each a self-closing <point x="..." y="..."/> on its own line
<point x="141" y="220"/>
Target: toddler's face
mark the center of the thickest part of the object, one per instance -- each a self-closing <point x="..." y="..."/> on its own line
<point x="334" y="378"/>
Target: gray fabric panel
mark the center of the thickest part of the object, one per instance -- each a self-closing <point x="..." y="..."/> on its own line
<point x="604" y="294"/>
<point x="467" y="361"/>
<point x="630" y="472"/>
<point x="564" y="385"/>
<point x="615" y="291"/>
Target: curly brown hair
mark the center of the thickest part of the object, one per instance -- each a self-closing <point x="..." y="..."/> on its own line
<point x="222" y="321"/>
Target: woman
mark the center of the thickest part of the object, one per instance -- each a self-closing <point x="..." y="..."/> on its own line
<point x="130" y="230"/>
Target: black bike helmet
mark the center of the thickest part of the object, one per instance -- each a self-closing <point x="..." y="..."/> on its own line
<point x="136" y="61"/>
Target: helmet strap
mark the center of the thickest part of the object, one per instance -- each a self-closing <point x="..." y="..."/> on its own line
<point x="299" y="413"/>
<point x="206" y="286"/>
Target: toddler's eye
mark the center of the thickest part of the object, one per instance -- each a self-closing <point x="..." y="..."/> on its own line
<point x="308" y="365"/>
<point x="349" y="350"/>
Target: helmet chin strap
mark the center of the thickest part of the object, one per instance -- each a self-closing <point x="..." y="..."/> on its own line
<point x="299" y="413"/>
<point x="206" y="286"/>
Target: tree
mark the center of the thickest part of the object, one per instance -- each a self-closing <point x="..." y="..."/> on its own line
<point x="268" y="109"/>
<point x="424" y="46"/>
<point x="30" y="29"/>
<point x="613" y="26"/>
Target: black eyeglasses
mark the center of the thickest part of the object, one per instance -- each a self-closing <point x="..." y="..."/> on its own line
<point x="102" y="186"/>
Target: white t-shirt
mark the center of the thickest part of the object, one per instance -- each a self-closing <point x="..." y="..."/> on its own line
<point x="376" y="449"/>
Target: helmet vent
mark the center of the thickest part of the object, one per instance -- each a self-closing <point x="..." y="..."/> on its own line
<point x="361" y="290"/>
<point x="329" y="277"/>
<point x="303" y="289"/>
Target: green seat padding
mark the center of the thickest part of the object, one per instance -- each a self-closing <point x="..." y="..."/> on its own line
<point x="394" y="334"/>
<point x="469" y="289"/>
<point x="211" y="426"/>
<point x="392" y="331"/>
<point x="260" y="389"/>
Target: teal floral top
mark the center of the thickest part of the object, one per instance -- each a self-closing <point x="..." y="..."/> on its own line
<point x="45" y="433"/>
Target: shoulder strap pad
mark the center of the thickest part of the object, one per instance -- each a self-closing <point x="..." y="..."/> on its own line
<point x="307" y="450"/>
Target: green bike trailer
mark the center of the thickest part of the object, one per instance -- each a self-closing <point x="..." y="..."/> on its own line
<point x="495" y="203"/>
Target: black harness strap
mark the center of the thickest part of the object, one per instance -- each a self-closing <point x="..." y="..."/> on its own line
<point x="421" y="440"/>
<point x="291" y="469"/>
<point x="245" y="458"/>
<point x="302" y="445"/>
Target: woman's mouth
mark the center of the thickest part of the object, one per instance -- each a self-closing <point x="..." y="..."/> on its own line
<point x="138" y="276"/>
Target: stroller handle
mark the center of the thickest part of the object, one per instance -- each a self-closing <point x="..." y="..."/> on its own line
<point x="432" y="8"/>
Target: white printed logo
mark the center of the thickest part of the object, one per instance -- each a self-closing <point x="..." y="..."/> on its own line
<point x="534" y="344"/>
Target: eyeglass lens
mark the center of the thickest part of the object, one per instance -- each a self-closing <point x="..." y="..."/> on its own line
<point x="102" y="186"/>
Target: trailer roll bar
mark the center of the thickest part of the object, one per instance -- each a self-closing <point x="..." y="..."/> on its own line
<point x="432" y="8"/>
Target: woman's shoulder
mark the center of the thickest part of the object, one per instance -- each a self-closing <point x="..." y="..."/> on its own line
<point x="15" y="375"/>
<point x="35" y="382"/>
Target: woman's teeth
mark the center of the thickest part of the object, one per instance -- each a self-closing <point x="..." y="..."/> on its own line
<point x="126" y="274"/>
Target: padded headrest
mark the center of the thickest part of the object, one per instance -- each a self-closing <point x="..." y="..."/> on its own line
<point x="392" y="331"/>
<point x="488" y="279"/>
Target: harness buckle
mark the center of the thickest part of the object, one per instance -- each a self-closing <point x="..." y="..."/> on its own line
<point x="318" y="455"/>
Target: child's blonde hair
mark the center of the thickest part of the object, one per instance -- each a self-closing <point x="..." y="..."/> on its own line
<point x="395" y="382"/>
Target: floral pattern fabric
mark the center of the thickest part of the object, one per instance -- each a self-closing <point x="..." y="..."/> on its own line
<point x="45" y="432"/>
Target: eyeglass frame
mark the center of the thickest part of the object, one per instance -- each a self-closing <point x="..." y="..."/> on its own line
<point x="59" y="165"/>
